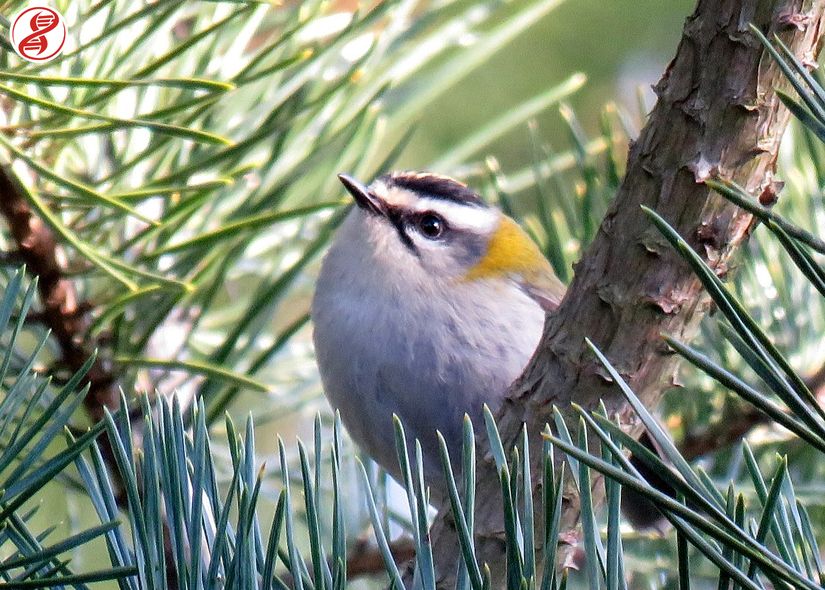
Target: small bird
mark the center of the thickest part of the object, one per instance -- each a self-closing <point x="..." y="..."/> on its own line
<point x="429" y="304"/>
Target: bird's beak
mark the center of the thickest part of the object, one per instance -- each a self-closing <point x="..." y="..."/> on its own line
<point x="363" y="197"/>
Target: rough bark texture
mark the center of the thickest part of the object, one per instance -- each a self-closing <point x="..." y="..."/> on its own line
<point x="717" y="115"/>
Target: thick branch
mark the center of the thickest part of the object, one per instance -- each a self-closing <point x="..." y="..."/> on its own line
<point x="717" y="115"/>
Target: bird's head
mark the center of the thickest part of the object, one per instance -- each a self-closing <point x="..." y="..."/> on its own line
<point x="442" y="228"/>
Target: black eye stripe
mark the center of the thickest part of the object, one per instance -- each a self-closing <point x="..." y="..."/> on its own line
<point x="402" y="220"/>
<point x="398" y="219"/>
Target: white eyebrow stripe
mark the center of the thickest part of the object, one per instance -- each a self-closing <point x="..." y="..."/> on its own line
<point x="392" y="195"/>
<point x="468" y="217"/>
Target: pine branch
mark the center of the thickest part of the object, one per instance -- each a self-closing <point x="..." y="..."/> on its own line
<point x="717" y="114"/>
<point x="62" y="312"/>
<point x="66" y="317"/>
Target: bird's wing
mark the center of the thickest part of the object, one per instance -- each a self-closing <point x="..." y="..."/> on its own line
<point x="543" y="286"/>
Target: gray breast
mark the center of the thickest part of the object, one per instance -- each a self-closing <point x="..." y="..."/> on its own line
<point x="429" y="360"/>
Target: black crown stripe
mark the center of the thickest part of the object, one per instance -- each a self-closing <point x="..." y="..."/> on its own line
<point x="434" y="186"/>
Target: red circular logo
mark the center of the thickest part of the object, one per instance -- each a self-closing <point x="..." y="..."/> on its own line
<point x="38" y="33"/>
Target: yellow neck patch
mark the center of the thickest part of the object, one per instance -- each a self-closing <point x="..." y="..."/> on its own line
<point x="510" y="252"/>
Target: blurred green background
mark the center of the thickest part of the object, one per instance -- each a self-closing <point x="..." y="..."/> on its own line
<point x="620" y="45"/>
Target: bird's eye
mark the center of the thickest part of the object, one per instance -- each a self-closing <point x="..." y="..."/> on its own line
<point x="431" y="225"/>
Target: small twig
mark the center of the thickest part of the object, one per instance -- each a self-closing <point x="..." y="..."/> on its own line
<point x="734" y="427"/>
<point x="722" y="434"/>
<point x="365" y="559"/>
<point x="816" y="383"/>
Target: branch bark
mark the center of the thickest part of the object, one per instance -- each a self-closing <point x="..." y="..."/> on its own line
<point x="717" y="115"/>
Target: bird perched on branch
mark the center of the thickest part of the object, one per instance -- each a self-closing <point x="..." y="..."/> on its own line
<point x="429" y="304"/>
